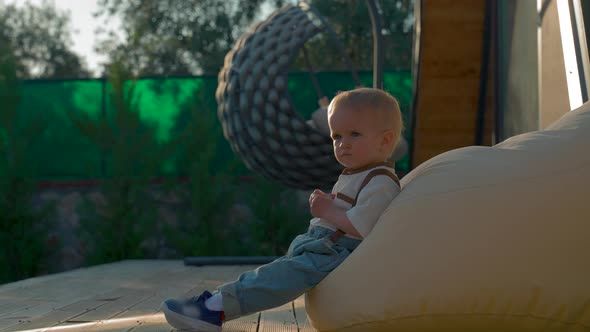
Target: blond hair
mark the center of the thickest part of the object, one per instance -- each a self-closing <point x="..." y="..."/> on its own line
<point x="375" y="100"/>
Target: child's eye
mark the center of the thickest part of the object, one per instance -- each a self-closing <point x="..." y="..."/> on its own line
<point x="355" y="134"/>
<point x="336" y="137"/>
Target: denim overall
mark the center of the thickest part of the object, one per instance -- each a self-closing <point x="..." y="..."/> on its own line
<point x="311" y="256"/>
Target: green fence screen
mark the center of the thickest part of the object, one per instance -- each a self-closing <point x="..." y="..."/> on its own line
<point x="61" y="152"/>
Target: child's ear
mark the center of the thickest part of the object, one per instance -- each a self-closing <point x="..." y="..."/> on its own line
<point x="387" y="138"/>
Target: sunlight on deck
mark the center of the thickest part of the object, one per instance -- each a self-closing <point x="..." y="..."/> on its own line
<point x="105" y="325"/>
<point x="126" y="297"/>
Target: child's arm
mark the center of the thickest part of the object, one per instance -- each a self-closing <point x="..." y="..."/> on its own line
<point x="359" y="220"/>
<point x="371" y="202"/>
<point x="322" y="206"/>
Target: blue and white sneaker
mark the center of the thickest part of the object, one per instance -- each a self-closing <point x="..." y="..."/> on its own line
<point x="192" y="314"/>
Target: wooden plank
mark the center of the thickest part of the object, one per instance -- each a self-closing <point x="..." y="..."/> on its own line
<point x="454" y="52"/>
<point x="154" y="325"/>
<point x="448" y="87"/>
<point x="76" y="327"/>
<point x="152" y="299"/>
<point x="5" y="323"/>
<point x="243" y="324"/>
<point x="38" y="310"/>
<point x="50" y="290"/>
<point x="112" y="308"/>
<point x="49" y="320"/>
<point x="149" y="306"/>
<point x="440" y="70"/>
<point x="78" y="284"/>
<point x="111" y="297"/>
<point x="303" y="324"/>
<point x="464" y="105"/>
<point x="9" y="308"/>
<point x="166" y="277"/>
<point x="29" y="313"/>
<point x="453" y="9"/>
<point x="147" y="327"/>
<point x="278" y="319"/>
<point x="117" y="274"/>
<point x="119" y="324"/>
<point x="449" y="79"/>
<point x="150" y="290"/>
<point x="57" y="316"/>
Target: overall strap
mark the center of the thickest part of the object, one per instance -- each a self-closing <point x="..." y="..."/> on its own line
<point x="371" y="175"/>
<point x="379" y="171"/>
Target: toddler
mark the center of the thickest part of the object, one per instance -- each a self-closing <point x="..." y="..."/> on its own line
<point x="365" y="127"/>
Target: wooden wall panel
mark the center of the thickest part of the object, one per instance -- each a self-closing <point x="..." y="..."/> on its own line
<point x="448" y="81"/>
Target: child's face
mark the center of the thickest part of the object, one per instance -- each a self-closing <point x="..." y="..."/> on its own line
<point x="357" y="137"/>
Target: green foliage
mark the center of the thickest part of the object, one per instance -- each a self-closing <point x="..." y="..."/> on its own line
<point x="41" y="41"/>
<point x="209" y="227"/>
<point x="23" y="230"/>
<point x="278" y="217"/>
<point x="352" y="23"/>
<point x="169" y="37"/>
<point x="118" y="227"/>
<point x="203" y="228"/>
<point x="192" y="37"/>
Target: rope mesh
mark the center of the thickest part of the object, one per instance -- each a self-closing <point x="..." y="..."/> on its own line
<point x="257" y="115"/>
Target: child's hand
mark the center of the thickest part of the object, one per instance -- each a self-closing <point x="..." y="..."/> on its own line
<point x="320" y="203"/>
<point x="318" y="192"/>
<point x="321" y="193"/>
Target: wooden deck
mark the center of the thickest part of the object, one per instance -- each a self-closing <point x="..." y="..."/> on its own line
<point x="126" y="296"/>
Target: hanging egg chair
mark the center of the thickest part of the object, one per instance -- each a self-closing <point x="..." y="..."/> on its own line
<point x="256" y="112"/>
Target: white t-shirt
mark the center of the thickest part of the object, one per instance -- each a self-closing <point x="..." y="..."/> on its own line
<point x="371" y="202"/>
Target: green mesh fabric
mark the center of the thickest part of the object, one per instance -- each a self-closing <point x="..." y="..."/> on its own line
<point x="61" y="152"/>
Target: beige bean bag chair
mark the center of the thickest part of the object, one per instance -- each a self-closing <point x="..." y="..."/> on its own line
<point x="480" y="239"/>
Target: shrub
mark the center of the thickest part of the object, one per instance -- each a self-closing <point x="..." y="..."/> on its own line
<point x="118" y="227"/>
<point x="23" y="229"/>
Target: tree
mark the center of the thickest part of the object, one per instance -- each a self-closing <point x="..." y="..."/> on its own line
<point x="23" y="230"/>
<point x="169" y="37"/>
<point x="41" y="38"/>
<point x="117" y="227"/>
<point x="352" y="23"/>
<point x="191" y="37"/>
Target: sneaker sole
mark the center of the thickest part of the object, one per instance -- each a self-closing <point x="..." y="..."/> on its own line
<point x="182" y="322"/>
